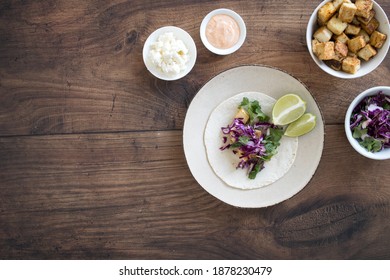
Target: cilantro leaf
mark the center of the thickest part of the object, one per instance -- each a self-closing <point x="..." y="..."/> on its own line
<point x="371" y="144"/>
<point x="256" y="169"/>
<point x="358" y="132"/>
<point x="242" y="141"/>
<point x="244" y="102"/>
<point x="272" y="142"/>
<point x="275" y="134"/>
<point x="253" y="109"/>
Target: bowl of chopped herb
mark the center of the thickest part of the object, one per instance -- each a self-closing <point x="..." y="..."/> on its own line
<point x="367" y="123"/>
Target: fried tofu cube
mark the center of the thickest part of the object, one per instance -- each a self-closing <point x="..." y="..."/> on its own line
<point x="258" y="133"/>
<point x="342" y="38"/>
<point x="338" y="3"/>
<point x="325" y="51"/>
<point x="352" y="29"/>
<point x="347" y="12"/>
<point x="314" y="46"/>
<point x="364" y="7"/>
<point x="323" y="34"/>
<point x="355" y="44"/>
<point x="366" y="37"/>
<point x="336" y="25"/>
<point x="325" y="13"/>
<point x="377" y="39"/>
<point x="366" y="20"/>
<point x="243" y="115"/>
<point x="367" y="52"/>
<point x="341" y="49"/>
<point x="371" y="26"/>
<point x="350" y="65"/>
<point x="355" y="21"/>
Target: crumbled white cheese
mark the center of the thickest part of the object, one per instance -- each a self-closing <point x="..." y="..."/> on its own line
<point x="169" y="54"/>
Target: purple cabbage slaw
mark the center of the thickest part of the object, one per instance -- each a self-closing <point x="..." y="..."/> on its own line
<point x="370" y="122"/>
<point x="253" y="148"/>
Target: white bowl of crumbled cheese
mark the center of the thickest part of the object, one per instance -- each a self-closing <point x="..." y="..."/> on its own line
<point x="169" y="53"/>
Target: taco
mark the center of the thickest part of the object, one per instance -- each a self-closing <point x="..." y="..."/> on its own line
<point x="234" y="167"/>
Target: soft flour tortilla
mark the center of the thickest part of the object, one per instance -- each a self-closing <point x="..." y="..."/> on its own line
<point x="224" y="163"/>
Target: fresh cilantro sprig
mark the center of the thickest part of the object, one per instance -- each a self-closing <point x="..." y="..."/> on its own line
<point x="253" y="109"/>
<point x="370" y="143"/>
<point x="242" y="141"/>
<point x="272" y="142"/>
<point x="256" y="169"/>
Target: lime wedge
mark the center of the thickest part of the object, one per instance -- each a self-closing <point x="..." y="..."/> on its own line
<point x="301" y="126"/>
<point x="287" y="109"/>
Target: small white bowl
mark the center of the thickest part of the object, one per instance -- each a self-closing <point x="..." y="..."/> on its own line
<point x="241" y="25"/>
<point x="382" y="155"/>
<point x="179" y="34"/>
<point x="366" y="66"/>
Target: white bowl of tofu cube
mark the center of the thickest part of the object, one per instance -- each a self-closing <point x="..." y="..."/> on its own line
<point x="348" y="39"/>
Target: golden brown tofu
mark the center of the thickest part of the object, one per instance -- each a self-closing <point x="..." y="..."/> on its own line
<point x="371" y="26"/>
<point x="352" y="30"/>
<point x="377" y="39"/>
<point x="323" y="34"/>
<point x="366" y="37"/>
<point x="338" y="3"/>
<point x="336" y="25"/>
<point x="341" y="49"/>
<point x="350" y="65"/>
<point x="325" y="51"/>
<point x="314" y="45"/>
<point x="363" y="8"/>
<point x="341" y="38"/>
<point x="347" y="12"/>
<point x="243" y="115"/>
<point x="355" y="21"/>
<point x="325" y="13"/>
<point x="366" y="20"/>
<point x="367" y="52"/>
<point x="258" y="133"/>
<point x="355" y="44"/>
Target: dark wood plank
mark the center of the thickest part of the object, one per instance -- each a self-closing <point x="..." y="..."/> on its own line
<point x="131" y="195"/>
<point x="70" y="67"/>
<point x="91" y="156"/>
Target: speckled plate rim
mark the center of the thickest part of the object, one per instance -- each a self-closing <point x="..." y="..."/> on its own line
<point x="275" y="83"/>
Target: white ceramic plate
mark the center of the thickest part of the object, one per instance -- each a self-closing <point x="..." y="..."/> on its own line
<point x="275" y="83"/>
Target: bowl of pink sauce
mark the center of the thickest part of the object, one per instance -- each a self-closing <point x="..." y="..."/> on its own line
<point x="223" y="31"/>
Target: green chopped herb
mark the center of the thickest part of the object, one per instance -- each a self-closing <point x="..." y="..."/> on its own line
<point x="253" y="109"/>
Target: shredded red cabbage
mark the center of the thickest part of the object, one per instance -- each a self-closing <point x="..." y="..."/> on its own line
<point x="370" y="122"/>
<point x="254" y="144"/>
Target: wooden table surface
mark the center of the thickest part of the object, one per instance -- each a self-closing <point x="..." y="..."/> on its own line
<point x="91" y="154"/>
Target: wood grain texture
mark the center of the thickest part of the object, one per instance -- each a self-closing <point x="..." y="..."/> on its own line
<point x="74" y="68"/>
<point x="131" y="195"/>
<point x="91" y="156"/>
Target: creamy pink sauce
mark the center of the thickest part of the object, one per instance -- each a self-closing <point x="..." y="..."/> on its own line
<point x="222" y="31"/>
